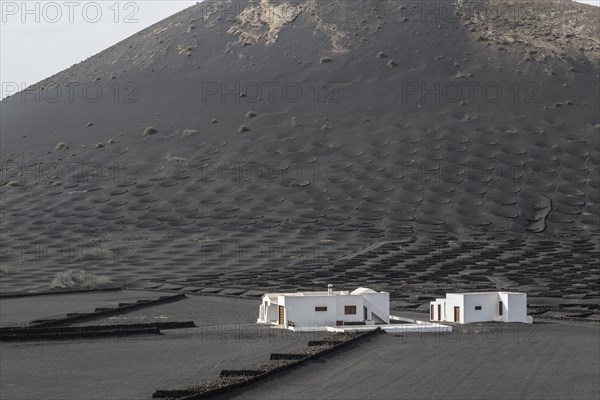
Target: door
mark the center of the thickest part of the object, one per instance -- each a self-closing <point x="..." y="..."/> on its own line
<point x="281" y="315"/>
<point x="431" y="315"/>
<point x="439" y="312"/>
<point x="365" y="313"/>
<point x="456" y="314"/>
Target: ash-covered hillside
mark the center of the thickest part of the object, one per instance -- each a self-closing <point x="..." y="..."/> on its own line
<point x="236" y="137"/>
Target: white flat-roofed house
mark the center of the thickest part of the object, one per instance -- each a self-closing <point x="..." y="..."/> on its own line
<point x="465" y="308"/>
<point x="326" y="308"/>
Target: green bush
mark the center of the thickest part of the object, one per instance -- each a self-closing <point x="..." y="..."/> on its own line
<point x="299" y="184"/>
<point x="243" y="128"/>
<point x="13" y="184"/>
<point x="61" y="146"/>
<point x="188" y="133"/>
<point x="325" y="60"/>
<point x="150" y="131"/>
<point x="250" y="114"/>
<point x="381" y="55"/>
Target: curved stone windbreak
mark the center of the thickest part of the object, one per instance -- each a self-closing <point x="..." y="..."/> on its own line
<point x="83" y="332"/>
<point x="233" y="379"/>
<point x="15" y="294"/>
<point x="105" y="311"/>
<point x="36" y="336"/>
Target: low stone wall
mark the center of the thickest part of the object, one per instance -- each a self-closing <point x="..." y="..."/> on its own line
<point x="232" y="379"/>
<point x="82" y="332"/>
<point x="104" y="311"/>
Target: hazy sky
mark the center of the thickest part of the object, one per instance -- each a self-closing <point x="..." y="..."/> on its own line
<point x="46" y="37"/>
<point x="41" y="38"/>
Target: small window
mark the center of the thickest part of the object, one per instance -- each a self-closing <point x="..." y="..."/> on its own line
<point x="500" y="308"/>
<point x="477" y="307"/>
<point x="349" y="310"/>
<point x="320" y="308"/>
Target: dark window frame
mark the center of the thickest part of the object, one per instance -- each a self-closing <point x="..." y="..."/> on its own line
<point x="320" y="308"/>
<point x="349" y="310"/>
<point x="477" y="308"/>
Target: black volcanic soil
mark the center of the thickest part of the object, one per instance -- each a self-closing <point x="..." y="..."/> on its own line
<point x="545" y="361"/>
<point x="469" y="136"/>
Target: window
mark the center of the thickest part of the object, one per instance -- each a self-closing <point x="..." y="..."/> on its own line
<point x="477" y="307"/>
<point x="349" y="310"/>
<point x="500" y="309"/>
<point x="320" y="308"/>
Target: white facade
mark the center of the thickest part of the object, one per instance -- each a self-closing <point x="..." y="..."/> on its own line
<point x="331" y="308"/>
<point x="465" y="308"/>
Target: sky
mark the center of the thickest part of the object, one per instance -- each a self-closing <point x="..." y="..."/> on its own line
<point x="41" y="38"/>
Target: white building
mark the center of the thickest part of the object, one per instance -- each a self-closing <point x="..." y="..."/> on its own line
<point x="327" y="308"/>
<point x="464" y="308"/>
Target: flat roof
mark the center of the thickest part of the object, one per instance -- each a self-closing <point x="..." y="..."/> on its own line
<point x="495" y="292"/>
<point x="357" y="292"/>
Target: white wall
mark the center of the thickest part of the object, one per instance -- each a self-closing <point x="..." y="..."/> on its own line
<point x="517" y="307"/>
<point x="380" y="303"/>
<point x="454" y="300"/>
<point x="439" y="310"/>
<point x="301" y="309"/>
<point x="514" y="307"/>
<point x="489" y="307"/>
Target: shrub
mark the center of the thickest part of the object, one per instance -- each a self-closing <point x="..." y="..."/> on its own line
<point x="325" y="60"/>
<point x="214" y="121"/>
<point x="187" y="133"/>
<point x="111" y="141"/>
<point x="61" y="146"/>
<point x="80" y="279"/>
<point x="381" y="55"/>
<point x="99" y="146"/>
<point x="391" y="64"/>
<point x="89" y="124"/>
<point x="243" y="128"/>
<point x="150" y="131"/>
<point x="6" y="268"/>
<point x="298" y="184"/>
<point x="250" y="114"/>
<point x="325" y="127"/>
<point x="13" y="184"/>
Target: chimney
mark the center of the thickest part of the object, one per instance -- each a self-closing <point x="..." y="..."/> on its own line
<point x="330" y="289"/>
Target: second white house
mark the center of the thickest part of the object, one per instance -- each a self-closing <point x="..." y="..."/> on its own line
<point x="465" y="308"/>
<point x="326" y="308"/>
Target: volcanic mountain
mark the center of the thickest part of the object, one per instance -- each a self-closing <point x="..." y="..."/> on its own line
<point x="286" y="144"/>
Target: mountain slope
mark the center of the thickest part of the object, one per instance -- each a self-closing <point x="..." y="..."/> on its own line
<point x="304" y="131"/>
